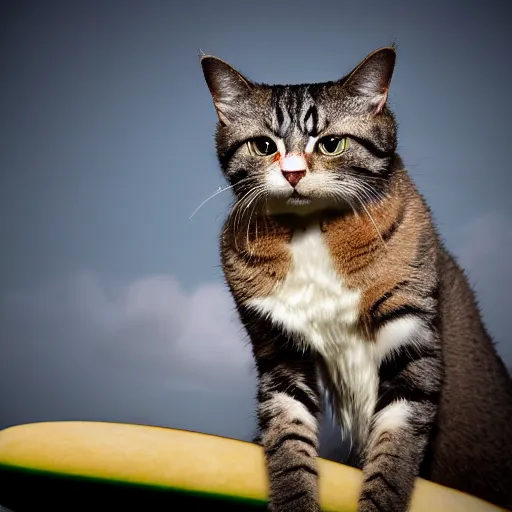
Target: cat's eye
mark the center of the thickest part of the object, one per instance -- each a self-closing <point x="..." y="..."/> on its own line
<point x="333" y="146"/>
<point x="262" y="146"/>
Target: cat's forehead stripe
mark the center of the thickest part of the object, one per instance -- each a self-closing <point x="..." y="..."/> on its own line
<point x="311" y="120"/>
<point x="281" y="120"/>
<point x="294" y="105"/>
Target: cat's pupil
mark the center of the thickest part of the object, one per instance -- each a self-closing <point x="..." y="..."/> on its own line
<point x="331" y="144"/>
<point x="265" y="146"/>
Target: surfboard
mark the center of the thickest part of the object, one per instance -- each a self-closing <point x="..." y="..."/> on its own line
<point x="98" y="466"/>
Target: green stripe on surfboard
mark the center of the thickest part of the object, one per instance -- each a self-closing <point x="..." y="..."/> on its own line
<point x="23" y="489"/>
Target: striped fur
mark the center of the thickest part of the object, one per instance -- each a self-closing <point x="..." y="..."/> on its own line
<point x="343" y="285"/>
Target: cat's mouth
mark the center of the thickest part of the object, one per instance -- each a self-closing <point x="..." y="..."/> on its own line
<point x="297" y="199"/>
<point x="298" y="204"/>
<point x="305" y="199"/>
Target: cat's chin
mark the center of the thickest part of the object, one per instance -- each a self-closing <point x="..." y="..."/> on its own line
<point x="302" y="205"/>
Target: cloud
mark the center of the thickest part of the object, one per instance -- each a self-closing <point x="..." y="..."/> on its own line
<point x="146" y="351"/>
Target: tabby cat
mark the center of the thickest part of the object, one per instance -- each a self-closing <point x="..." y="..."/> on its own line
<point x="346" y="291"/>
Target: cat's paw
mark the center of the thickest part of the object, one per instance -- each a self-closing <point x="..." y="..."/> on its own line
<point x="369" y="504"/>
<point x="300" y="504"/>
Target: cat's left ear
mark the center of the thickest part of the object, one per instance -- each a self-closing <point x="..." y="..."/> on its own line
<point x="227" y="86"/>
<point x="371" y="79"/>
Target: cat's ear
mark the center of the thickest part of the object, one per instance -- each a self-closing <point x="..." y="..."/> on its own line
<point x="372" y="77"/>
<point x="227" y="86"/>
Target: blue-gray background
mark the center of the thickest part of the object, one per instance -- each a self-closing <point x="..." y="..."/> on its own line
<point x="112" y="304"/>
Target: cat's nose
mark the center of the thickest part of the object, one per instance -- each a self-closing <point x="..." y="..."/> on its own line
<point x="293" y="177"/>
<point x="293" y="167"/>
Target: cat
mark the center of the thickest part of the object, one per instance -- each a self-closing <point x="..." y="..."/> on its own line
<point x="345" y="289"/>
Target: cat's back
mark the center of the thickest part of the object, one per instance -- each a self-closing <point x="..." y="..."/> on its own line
<point x="472" y="450"/>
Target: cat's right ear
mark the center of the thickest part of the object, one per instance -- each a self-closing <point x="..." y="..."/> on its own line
<point x="227" y="86"/>
<point x="371" y="79"/>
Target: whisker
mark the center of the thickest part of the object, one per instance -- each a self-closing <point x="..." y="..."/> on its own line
<point x="351" y="172"/>
<point x="235" y="219"/>
<point x="339" y="194"/>
<point x="244" y="205"/>
<point x="361" y="202"/>
<point x="366" y="194"/>
<point x="255" y="200"/>
<point x="241" y="208"/>
<point x="239" y="204"/>
<point x="254" y="195"/>
<point x="371" y="191"/>
<point x="376" y="193"/>
<point x="216" y="193"/>
<point x="236" y="213"/>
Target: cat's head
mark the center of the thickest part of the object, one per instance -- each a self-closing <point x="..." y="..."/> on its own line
<point x="309" y="147"/>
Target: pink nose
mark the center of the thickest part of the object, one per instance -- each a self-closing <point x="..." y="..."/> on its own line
<point x="293" y="177"/>
<point x="293" y="168"/>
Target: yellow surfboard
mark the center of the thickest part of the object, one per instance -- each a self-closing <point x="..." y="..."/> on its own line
<point x="109" y="466"/>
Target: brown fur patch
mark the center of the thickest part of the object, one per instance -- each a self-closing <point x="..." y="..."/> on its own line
<point x="256" y="256"/>
<point x="365" y="262"/>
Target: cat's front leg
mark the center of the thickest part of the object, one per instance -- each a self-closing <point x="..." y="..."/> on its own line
<point x="409" y="391"/>
<point x="288" y="415"/>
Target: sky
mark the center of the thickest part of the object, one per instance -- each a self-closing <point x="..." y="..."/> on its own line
<point x="112" y="302"/>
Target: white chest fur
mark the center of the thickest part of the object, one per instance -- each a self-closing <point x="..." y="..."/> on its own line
<point x="312" y="300"/>
<point x="314" y="305"/>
